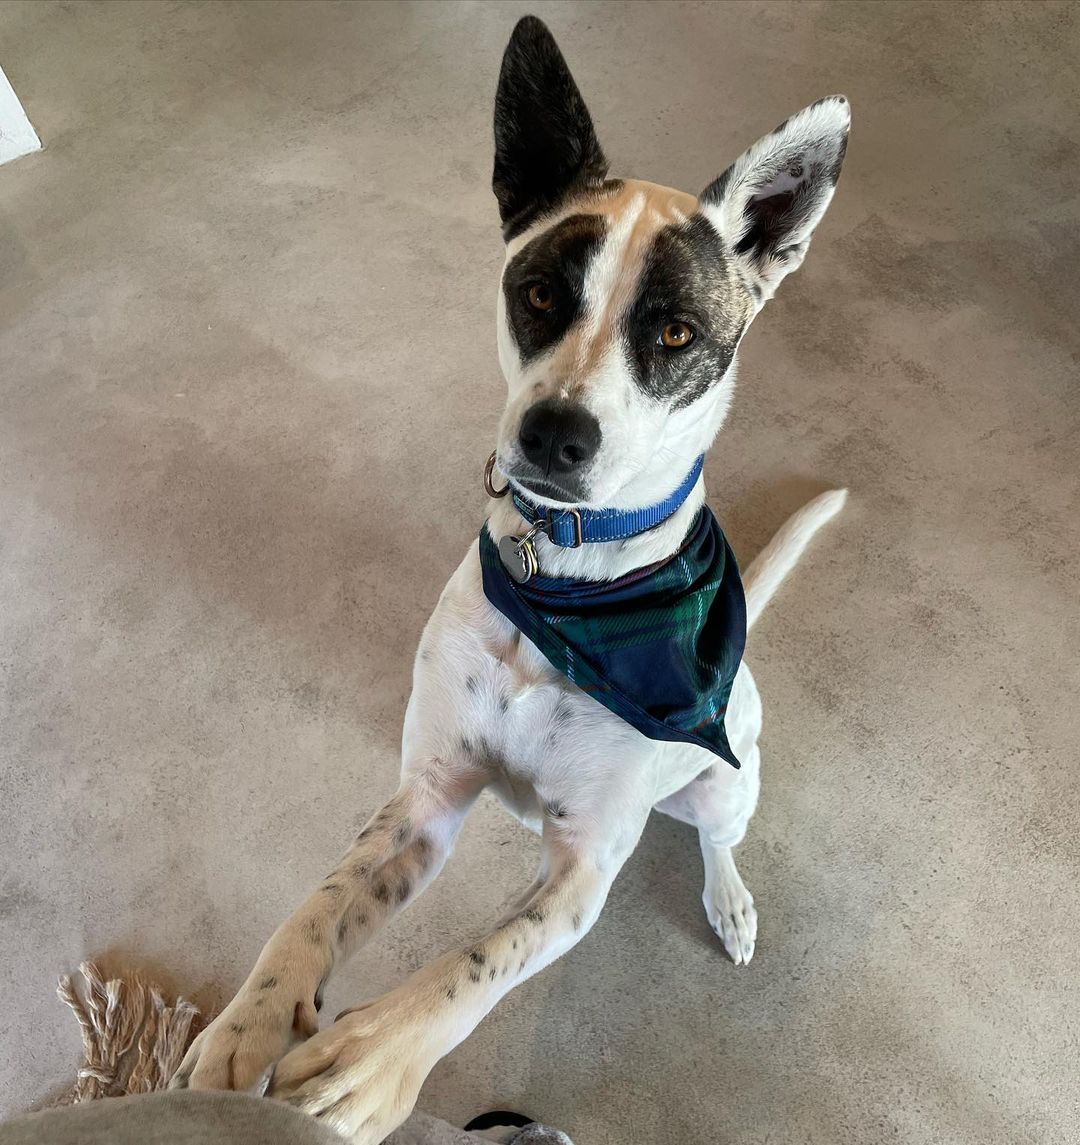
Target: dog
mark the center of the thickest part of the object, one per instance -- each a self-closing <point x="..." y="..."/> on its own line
<point x="621" y="309"/>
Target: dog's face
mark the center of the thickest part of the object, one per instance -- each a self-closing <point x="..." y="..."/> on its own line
<point x="622" y="303"/>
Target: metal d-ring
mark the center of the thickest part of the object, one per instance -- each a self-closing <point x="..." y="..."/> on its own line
<point x="489" y="487"/>
<point x="538" y="526"/>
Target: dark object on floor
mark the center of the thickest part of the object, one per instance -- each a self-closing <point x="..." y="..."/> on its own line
<point x="515" y="1129"/>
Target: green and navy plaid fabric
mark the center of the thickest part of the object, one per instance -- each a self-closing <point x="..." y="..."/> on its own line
<point x="659" y="647"/>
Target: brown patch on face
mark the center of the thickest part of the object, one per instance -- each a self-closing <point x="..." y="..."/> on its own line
<point x="613" y="198"/>
<point x="635" y="212"/>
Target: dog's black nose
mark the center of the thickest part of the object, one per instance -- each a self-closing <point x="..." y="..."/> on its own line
<point x="558" y="436"/>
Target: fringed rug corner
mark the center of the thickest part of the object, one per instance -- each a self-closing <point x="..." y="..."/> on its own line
<point x="133" y="1041"/>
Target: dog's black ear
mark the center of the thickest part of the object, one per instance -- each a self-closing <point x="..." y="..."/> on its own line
<point x="545" y="145"/>
<point x="768" y="202"/>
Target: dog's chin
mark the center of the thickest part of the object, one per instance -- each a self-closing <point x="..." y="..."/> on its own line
<point x="590" y="489"/>
<point x="546" y="490"/>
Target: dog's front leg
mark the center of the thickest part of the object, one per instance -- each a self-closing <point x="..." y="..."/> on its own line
<point x="362" y="1074"/>
<point x="393" y="859"/>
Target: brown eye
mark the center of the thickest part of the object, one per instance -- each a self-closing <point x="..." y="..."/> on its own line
<point x="675" y="335"/>
<point x="540" y="296"/>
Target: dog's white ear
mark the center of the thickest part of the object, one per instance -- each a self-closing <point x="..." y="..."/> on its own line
<point x="545" y="145"/>
<point x="767" y="203"/>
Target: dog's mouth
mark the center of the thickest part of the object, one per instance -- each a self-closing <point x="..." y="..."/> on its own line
<point x="569" y="493"/>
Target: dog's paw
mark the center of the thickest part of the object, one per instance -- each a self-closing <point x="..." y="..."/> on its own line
<point x="730" y="908"/>
<point x="361" y="1076"/>
<point x="254" y="1031"/>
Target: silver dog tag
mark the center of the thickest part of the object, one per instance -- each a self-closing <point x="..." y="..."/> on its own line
<point x="519" y="556"/>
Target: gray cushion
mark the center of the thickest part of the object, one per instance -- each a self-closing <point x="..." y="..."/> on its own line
<point x="187" y="1118"/>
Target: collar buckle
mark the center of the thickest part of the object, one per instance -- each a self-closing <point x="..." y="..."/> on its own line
<point x="579" y="536"/>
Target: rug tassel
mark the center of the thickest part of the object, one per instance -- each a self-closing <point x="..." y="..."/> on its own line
<point x="132" y="1041"/>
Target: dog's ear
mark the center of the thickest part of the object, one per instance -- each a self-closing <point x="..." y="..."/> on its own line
<point x="768" y="202"/>
<point x="544" y="139"/>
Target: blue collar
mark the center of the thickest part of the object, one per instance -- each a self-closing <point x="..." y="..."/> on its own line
<point x="571" y="528"/>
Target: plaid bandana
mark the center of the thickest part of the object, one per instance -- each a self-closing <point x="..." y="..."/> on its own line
<point x="659" y="647"/>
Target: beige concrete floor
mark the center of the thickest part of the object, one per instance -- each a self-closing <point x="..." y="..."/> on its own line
<point x="247" y="384"/>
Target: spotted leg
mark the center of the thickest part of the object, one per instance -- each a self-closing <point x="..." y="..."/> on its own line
<point x="362" y="1074"/>
<point x="393" y="859"/>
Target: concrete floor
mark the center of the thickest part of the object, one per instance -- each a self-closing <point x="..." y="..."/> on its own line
<point x="247" y="385"/>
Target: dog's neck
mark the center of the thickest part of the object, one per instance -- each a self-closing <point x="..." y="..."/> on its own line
<point x="601" y="560"/>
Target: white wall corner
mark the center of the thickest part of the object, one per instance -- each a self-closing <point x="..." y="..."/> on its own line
<point x="17" y="137"/>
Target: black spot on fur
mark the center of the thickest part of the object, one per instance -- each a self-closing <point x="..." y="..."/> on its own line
<point x="533" y="915"/>
<point x="466" y="745"/>
<point x="577" y="920"/>
<point x="686" y="278"/>
<point x="451" y="992"/>
<point x="521" y="964"/>
<point x="474" y="975"/>
<point x="764" y="237"/>
<point x="514" y="944"/>
<point x="559" y="258"/>
<point x="356" y="918"/>
<point x="268" y="983"/>
<point x="504" y="705"/>
<point x="493" y="972"/>
<point x="715" y="191"/>
<point x="381" y="891"/>
<point x="545" y="145"/>
<point x="314" y="932"/>
<point x="471" y="683"/>
<point x="236" y="1027"/>
<point x="422" y="845"/>
<point x="259" y="1002"/>
<point x="478" y="957"/>
<point x="404" y="890"/>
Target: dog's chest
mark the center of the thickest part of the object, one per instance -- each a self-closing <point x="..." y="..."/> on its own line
<point x="522" y="719"/>
<point x="485" y="694"/>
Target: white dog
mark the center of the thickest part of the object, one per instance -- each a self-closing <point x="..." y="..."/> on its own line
<point x="621" y="309"/>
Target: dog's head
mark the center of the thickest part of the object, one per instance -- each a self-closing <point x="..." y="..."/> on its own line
<point x="622" y="303"/>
